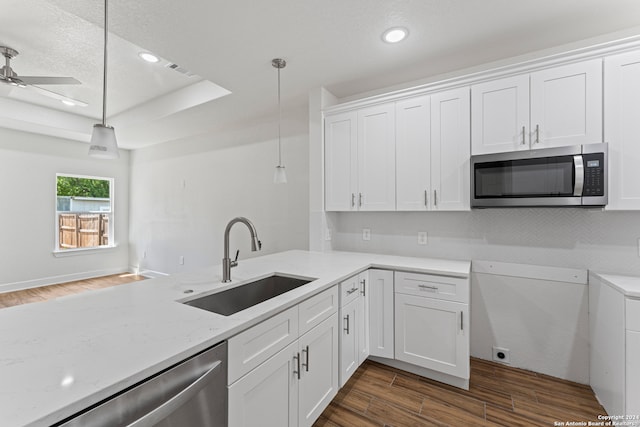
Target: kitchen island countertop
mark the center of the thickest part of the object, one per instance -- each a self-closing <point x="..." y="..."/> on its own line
<point x="60" y="356"/>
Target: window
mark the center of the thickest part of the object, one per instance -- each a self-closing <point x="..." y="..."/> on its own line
<point x="84" y="212"/>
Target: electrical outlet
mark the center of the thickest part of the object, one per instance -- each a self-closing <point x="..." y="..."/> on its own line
<point x="327" y="234"/>
<point x="501" y="355"/>
<point x="366" y="234"/>
<point x="144" y="254"/>
<point x="181" y="260"/>
<point x="422" y="237"/>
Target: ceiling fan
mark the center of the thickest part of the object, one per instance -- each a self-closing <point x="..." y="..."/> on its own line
<point x="10" y="77"/>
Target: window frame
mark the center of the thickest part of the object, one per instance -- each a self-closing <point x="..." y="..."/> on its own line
<point x="59" y="252"/>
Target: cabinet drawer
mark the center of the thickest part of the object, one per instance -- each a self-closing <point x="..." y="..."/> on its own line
<point x="349" y="290"/>
<point x="250" y="348"/>
<point x="317" y="308"/>
<point x="633" y="314"/>
<point x="432" y="286"/>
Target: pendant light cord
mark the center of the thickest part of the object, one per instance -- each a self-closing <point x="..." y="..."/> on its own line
<point x="104" y="75"/>
<point x="279" y="123"/>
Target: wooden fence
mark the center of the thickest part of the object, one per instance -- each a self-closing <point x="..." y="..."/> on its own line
<point x="83" y="230"/>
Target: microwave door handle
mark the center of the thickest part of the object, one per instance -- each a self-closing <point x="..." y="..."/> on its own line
<point x="578" y="168"/>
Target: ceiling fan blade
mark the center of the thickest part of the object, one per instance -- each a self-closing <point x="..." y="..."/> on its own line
<point x="57" y="96"/>
<point x="36" y="80"/>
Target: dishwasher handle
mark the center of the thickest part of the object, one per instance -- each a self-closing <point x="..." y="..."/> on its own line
<point x="167" y="408"/>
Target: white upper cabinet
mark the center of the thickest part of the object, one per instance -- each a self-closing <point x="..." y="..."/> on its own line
<point x="500" y="115"/>
<point x="566" y="105"/>
<point x="450" y="149"/>
<point x="621" y="114"/>
<point x="341" y="161"/>
<point x="555" y="107"/>
<point x="413" y="154"/>
<point x="376" y="158"/>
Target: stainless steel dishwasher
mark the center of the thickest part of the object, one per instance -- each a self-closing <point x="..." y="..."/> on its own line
<point x="192" y="393"/>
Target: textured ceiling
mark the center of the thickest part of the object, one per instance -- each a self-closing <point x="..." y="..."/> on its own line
<point x="330" y="43"/>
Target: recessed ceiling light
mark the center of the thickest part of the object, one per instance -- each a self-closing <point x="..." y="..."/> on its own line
<point x="395" y="34"/>
<point x="149" y="57"/>
<point x="69" y="103"/>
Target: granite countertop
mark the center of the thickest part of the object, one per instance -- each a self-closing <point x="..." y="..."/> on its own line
<point x="60" y="356"/>
<point x="628" y="285"/>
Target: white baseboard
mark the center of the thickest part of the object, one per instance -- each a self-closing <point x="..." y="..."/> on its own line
<point x="53" y="280"/>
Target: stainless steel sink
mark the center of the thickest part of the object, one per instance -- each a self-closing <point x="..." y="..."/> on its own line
<point x="244" y="296"/>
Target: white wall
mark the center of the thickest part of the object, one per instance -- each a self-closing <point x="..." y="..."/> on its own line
<point x="183" y="195"/>
<point x="28" y="167"/>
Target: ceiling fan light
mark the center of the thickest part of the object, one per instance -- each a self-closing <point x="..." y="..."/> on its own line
<point x="103" y="143"/>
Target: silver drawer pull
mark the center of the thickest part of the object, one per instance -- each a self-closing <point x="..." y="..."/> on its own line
<point x="346" y="319"/>
<point x="363" y="282"/>
<point x="352" y="290"/>
<point x="305" y="351"/>
<point x="297" y="358"/>
<point x="431" y="288"/>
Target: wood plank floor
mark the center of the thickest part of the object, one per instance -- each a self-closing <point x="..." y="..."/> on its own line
<point x="44" y="293"/>
<point x="378" y="395"/>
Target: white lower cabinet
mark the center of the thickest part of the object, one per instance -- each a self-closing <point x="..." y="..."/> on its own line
<point x="432" y="322"/>
<point x="293" y="386"/>
<point x="633" y="371"/>
<point x="379" y="293"/>
<point x="431" y="333"/>
<point x="268" y="395"/>
<point x="354" y="325"/>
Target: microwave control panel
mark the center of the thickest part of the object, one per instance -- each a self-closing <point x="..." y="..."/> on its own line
<point x="594" y="174"/>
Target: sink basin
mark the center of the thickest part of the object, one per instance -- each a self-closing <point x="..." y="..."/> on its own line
<point x="242" y="297"/>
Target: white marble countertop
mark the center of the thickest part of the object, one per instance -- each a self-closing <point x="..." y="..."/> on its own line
<point x="628" y="285"/>
<point x="57" y="357"/>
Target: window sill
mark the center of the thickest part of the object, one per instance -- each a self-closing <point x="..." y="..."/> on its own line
<point x="59" y="253"/>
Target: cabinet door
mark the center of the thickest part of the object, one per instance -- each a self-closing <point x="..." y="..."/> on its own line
<point x="450" y="149"/>
<point x="500" y="115"/>
<point x="319" y="381"/>
<point x="413" y="154"/>
<point x="566" y="105"/>
<point x="433" y="334"/>
<point x="632" y="375"/>
<point x="349" y="351"/>
<point x="380" y="299"/>
<point x="621" y="113"/>
<point x="341" y="161"/>
<point x="363" y="322"/>
<point x="268" y="395"/>
<point x="377" y="158"/>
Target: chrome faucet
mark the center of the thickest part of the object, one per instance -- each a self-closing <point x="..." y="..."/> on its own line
<point x="256" y="244"/>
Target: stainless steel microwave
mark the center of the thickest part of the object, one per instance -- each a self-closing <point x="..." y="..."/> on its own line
<point x="563" y="176"/>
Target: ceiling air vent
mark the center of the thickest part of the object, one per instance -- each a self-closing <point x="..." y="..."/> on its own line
<point x="179" y="69"/>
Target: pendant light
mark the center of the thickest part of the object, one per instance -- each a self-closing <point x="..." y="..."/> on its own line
<point x="103" y="139"/>
<point x="280" y="174"/>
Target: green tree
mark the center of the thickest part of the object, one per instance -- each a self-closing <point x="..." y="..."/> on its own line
<point x="82" y="187"/>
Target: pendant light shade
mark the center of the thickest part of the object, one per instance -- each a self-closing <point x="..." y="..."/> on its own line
<point x="103" y="143"/>
<point x="280" y="174"/>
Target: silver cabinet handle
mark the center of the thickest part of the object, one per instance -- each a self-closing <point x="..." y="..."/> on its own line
<point x="578" y="169"/>
<point x="537" y="141"/>
<point x="363" y="282"/>
<point x="359" y="199"/>
<point x="353" y="200"/>
<point x="352" y="290"/>
<point x="297" y="358"/>
<point x="426" y="198"/>
<point x="432" y="288"/>
<point x="346" y="319"/>
<point x="523" y="134"/>
<point x="435" y="197"/>
<point x="170" y="406"/>
<point x="462" y="320"/>
<point x="305" y="351"/>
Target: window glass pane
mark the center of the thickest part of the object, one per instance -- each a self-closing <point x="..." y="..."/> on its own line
<point x="84" y="211"/>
